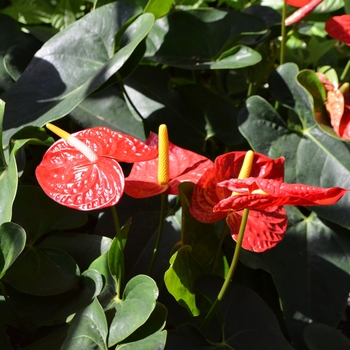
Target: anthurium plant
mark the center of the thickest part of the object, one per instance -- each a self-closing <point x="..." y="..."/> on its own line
<point x="174" y="175"/>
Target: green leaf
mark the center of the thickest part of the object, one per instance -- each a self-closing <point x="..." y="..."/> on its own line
<point x="139" y="300"/>
<point x="150" y="335"/>
<point x="31" y="202"/>
<point x="108" y="108"/>
<point x="39" y="11"/>
<point x="108" y="292"/>
<point x="153" y="342"/>
<point x="169" y="42"/>
<point x="12" y="242"/>
<point x="322" y="337"/>
<point x="83" y="248"/>
<point x="248" y="323"/>
<point x="71" y="75"/>
<point x="43" y="272"/>
<point x="51" y="310"/>
<point x="181" y="276"/>
<point x="88" y="329"/>
<point x="192" y="113"/>
<point x="312" y="156"/>
<point x="312" y="259"/>
<point x="159" y="8"/>
<point x="116" y="255"/>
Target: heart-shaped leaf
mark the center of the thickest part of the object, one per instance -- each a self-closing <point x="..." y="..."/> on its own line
<point x="12" y="242"/>
<point x="88" y="329"/>
<point x="322" y="337"/>
<point x="50" y="90"/>
<point x="139" y="300"/>
<point x="181" y="276"/>
<point x="220" y="30"/>
<point x="43" y="272"/>
<point x="312" y="156"/>
<point x="49" y="215"/>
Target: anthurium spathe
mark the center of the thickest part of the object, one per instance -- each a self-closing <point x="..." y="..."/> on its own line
<point x="82" y="171"/>
<point x="149" y="178"/>
<point x="219" y="194"/>
<point x="337" y="104"/>
<point x="338" y="27"/>
<point x="297" y="3"/>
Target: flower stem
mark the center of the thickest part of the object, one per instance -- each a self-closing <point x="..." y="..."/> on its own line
<point x="119" y="238"/>
<point x="230" y="273"/>
<point x="283" y="33"/>
<point x="345" y="71"/>
<point x="164" y="198"/>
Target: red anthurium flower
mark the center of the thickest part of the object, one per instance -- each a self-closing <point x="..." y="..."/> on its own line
<point x="338" y="27"/>
<point x="297" y="3"/>
<point x="147" y="178"/>
<point x="90" y="177"/>
<point x="219" y="194"/>
<point x="338" y="106"/>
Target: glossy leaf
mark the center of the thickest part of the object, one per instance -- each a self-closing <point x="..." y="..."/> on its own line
<point x="108" y="108"/>
<point x="139" y="300"/>
<point x="312" y="156"/>
<point x="219" y="29"/>
<point x="322" y="337"/>
<point x="49" y="215"/>
<point x="192" y="113"/>
<point x="52" y="310"/>
<point x="88" y="329"/>
<point x="181" y="277"/>
<point x="154" y="341"/>
<point x="12" y="242"/>
<point x="159" y="8"/>
<point x="184" y="166"/>
<point x="315" y="256"/>
<point x="83" y="248"/>
<point x="70" y="179"/>
<point x="248" y="323"/>
<point x="9" y="173"/>
<point x="150" y="335"/>
<point x="43" y="272"/>
<point x="61" y="94"/>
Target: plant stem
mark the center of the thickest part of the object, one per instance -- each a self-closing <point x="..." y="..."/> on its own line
<point x="345" y="71"/>
<point x="119" y="238"/>
<point x="163" y="198"/>
<point x="230" y="273"/>
<point x="283" y="33"/>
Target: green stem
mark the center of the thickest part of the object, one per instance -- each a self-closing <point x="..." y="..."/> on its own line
<point x="119" y="238"/>
<point x="345" y="71"/>
<point x="283" y="33"/>
<point x="163" y="203"/>
<point x="230" y="273"/>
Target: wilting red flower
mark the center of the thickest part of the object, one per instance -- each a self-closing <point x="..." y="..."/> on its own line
<point x="219" y="194"/>
<point x="67" y="176"/>
<point x="338" y="106"/>
<point x="338" y="27"/>
<point x="306" y="7"/>
<point x="184" y="166"/>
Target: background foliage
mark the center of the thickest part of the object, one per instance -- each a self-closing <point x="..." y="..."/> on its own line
<point x="211" y="71"/>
